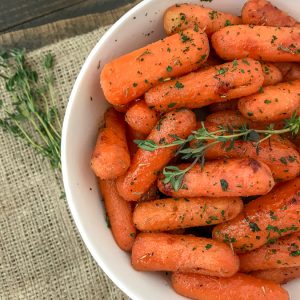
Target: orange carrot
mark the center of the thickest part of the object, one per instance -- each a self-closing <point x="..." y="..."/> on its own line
<point x="186" y="253"/>
<point x="258" y="42"/>
<point x="141" y="118"/>
<point x="263" y="219"/>
<point x="119" y="215"/>
<point x="285" y="252"/>
<point x="233" y="177"/>
<point x="216" y="84"/>
<point x="182" y="16"/>
<point x="280" y="276"/>
<point x="273" y="103"/>
<point x="282" y="158"/>
<point x="110" y="157"/>
<point x="130" y="76"/>
<point x="237" y="287"/>
<point x="175" y="213"/>
<point x="231" y="118"/>
<point x="262" y="12"/>
<point x="145" y="165"/>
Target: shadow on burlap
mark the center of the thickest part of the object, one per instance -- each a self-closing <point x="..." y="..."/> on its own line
<point x="41" y="253"/>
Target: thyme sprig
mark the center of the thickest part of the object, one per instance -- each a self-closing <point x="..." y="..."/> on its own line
<point x="33" y="116"/>
<point x="204" y="139"/>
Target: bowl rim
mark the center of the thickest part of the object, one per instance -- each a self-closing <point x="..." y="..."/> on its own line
<point x="66" y="182"/>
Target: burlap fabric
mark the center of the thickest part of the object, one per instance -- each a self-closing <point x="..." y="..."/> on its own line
<point x="41" y="253"/>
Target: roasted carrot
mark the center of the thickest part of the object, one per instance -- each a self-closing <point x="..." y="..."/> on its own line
<point x="145" y="165"/>
<point x="272" y="75"/>
<point x="220" y="83"/>
<point x="285" y="252"/>
<point x="128" y="77"/>
<point x="222" y="106"/>
<point x="282" y="159"/>
<point x="224" y="178"/>
<point x="119" y="214"/>
<point x="290" y="71"/>
<point x="280" y="276"/>
<point x="262" y="12"/>
<point x="175" y="213"/>
<point x="267" y="43"/>
<point x="263" y="219"/>
<point x="185" y="253"/>
<point x="141" y="118"/>
<point x="231" y="118"/>
<point x="182" y="16"/>
<point x="237" y="287"/>
<point x="110" y="157"/>
<point x="273" y="103"/>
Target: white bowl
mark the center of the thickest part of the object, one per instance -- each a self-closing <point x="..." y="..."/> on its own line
<point x="140" y="26"/>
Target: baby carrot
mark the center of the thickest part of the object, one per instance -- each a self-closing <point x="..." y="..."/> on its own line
<point x="175" y="213"/>
<point x="181" y="16"/>
<point x="216" y="84"/>
<point x="185" y="253"/>
<point x="273" y="44"/>
<point x="264" y="219"/>
<point x="237" y="287"/>
<point x="285" y="252"/>
<point x="119" y="214"/>
<point x="224" y="178"/>
<point x="128" y="77"/>
<point x="110" y="157"/>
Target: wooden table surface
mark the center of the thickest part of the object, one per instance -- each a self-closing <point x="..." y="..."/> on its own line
<point x="20" y="14"/>
<point x="33" y="24"/>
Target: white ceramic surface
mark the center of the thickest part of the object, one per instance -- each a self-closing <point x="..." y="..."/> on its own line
<point x="140" y="26"/>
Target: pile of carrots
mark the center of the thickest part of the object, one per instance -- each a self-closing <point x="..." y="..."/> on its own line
<point x="243" y="71"/>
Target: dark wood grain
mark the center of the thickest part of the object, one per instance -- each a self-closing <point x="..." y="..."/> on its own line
<point x="21" y="14"/>
<point x="36" y="37"/>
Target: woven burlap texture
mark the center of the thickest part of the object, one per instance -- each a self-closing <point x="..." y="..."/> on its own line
<point x="41" y="253"/>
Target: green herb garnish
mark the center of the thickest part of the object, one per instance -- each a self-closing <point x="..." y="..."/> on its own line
<point x="34" y="115"/>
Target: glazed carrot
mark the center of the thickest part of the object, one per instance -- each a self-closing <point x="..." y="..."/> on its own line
<point x="110" y="157"/>
<point x="141" y="118"/>
<point x="145" y="165"/>
<point x="263" y="219"/>
<point x="222" y="106"/>
<point x="272" y="74"/>
<point x="259" y="42"/>
<point x="273" y="103"/>
<point x="282" y="159"/>
<point x="280" y="276"/>
<point x="181" y="16"/>
<point x="285" y="252"/>
<point x="224" y="178"/>
<point x="185" y="253"/>
<point x="174" y="213"/>
<point x="262" y="12"/>
<point x="231" y="118"/>
<point x="290" y="71"/>
<point x="237" y="287"/>
<point x="130" y="76"/>
<point x="220" y="83"/>
<point x="119" y="214"/>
